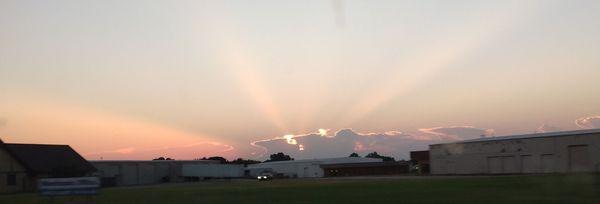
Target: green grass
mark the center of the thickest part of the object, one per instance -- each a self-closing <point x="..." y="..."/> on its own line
<point x="501" y="189"/>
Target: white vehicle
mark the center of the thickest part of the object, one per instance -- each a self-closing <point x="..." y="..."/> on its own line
<point x="265" y="177"/>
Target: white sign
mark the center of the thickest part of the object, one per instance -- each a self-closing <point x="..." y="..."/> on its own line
<point x="69" y="186"/>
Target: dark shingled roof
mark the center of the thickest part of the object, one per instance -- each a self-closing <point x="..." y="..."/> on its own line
<point x="56" y="160"/>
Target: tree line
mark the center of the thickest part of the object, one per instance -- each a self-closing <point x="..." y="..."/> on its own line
<point x="375" y="155"/>
<point x="280" y="156"/>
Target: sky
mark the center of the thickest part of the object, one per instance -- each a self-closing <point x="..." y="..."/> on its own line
<point x="123" y="79"/>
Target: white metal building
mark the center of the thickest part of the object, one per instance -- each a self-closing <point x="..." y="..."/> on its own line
<point x="307" y="168"/>
<point x="554" y="152"/>
<point x="142" y="172"/>
<point x="203" y="171"/>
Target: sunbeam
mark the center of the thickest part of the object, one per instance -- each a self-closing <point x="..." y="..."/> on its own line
<point x="244" y="66"/>
<point x="460" y="41"/>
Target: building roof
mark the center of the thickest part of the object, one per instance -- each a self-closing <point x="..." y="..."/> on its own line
<point x="339" y="160"/>
<point x="157" y="161"/>
<point x="57" y="160"/>
<point x="528" y="136"/>
<point x="364" y="164"/>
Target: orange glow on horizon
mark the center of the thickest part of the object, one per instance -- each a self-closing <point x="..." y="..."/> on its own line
<point x="99" y="134"/>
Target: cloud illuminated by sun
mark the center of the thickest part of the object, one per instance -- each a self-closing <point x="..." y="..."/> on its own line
<point x="290" y="139"/>
<point x="323" y="132"/>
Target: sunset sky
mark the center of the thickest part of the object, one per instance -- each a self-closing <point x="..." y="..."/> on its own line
<point x="124" y="79"/>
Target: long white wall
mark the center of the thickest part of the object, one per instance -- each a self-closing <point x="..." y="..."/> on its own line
<point x="127" y="173"/>
<point x="556" y="154"/>
<point x="213" y="170"/>
<point x="309" y="168"/>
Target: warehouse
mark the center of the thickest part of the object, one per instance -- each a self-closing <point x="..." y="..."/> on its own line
<point x="143" y="172"/>
<point x="194" y="172"/>
<point x="554" y="152"/>
<point x="308" y="168"/>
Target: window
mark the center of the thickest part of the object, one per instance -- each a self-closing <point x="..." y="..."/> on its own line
<point x="11" y="179"/>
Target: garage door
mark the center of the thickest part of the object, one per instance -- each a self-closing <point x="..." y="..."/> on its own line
<point x="579" y="160"/>
<point x="451" y="167"/>
<point x="494" y="165"/>
<point x="129" y="175"/>
<point x="527" y="164"/>
<point x="547" y="161"/>
<point x="502" y="165"/>
<point x="509" y="165"/>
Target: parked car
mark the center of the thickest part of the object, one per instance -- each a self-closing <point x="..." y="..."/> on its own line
<point x="265" y="176"/>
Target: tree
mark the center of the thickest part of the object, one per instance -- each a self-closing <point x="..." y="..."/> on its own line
<point x="162" y="158"/>
<point x="354" y="154"/>
<point x="245" y="162"/>
<point x="279" y="157"/>
<point x="216" y="158"/>
<point x="384" y="158"/>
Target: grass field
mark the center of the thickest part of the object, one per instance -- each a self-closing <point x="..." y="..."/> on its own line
<point x="499" y="189"/>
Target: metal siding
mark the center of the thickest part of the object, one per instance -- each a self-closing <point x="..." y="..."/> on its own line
<point x="509" y="165"/>
<point x="147" y="175"/>
<point x="547" y="163"/>
<point x="494" y="165"/>
<point x="527" y="164"/>
<point x="548" y="155"/>
<point x="579" y="158"/>
<point x="213" y="170"/>
<point x="129" y="175"/>
<point x="309" y="168"/>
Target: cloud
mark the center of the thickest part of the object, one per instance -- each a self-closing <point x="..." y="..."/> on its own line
<point x="341" y="144"/>
<point x="323" y="132"/>
<point x="547" y="128"/>
<point x="458" y="132"/>
<point x="290" y="139"/>
<point x="127" y="150"/>
<point x="589" y="122"/>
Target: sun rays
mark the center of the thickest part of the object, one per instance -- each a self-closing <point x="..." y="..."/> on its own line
<point x="421" y="66"/>
<point x="434" y="58"/>
<point x="205" y="78"/>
